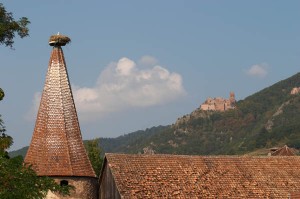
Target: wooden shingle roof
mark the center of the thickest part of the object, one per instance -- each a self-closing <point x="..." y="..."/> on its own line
<point x="182" y="176"/>
<point x="56" y="148"/>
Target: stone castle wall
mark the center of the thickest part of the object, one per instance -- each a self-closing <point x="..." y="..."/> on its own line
<point x="85" y="188"/>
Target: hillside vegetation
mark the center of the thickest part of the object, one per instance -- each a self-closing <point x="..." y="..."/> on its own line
<point x="265" y="119"/>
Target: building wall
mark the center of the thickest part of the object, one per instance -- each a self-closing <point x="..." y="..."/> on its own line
<point x="220" y="104"/>
<point x="108" y="188"/>
<point x="85" y="188"/>
<point x="208" y="107"/>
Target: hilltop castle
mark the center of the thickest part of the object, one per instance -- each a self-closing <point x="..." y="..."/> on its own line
<point x="219" y="103"/>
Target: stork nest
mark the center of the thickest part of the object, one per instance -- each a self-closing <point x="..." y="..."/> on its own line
<point x="59" y="40"/>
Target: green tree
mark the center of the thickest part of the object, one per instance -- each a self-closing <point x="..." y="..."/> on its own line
<point x="5" y="140"/>
<point x="2" y="128"/>
<point x="94" y="153"/>
<point x="19" y="181"/>
<point x="9" y="27"/>
<point x="1" y="94"/>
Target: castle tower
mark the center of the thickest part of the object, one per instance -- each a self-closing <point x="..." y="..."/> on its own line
<point x="56" y="149"/>
<point x="232" y="98"/>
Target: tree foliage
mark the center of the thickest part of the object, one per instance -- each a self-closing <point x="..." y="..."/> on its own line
<point x="2" y="127"/>
<point x="9" y="27"/>
<point x="20" y="181"/>
<point x="1" y="94"/>
<point x="5" y="140"/>
<point x="94" y="153"/>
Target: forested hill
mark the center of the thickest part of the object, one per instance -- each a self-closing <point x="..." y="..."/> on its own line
<point x="265" y="119"/>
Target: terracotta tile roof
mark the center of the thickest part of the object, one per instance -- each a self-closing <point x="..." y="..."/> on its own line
<point x="56" y="148"/>
<point x="284" y="151"/>
<point x="179" y="176"/>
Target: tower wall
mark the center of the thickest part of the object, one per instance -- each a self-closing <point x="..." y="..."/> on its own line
<point x="232" y="97"/>
<point x="85" y="188"/>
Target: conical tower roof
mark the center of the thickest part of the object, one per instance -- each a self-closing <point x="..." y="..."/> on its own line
<point x="56" y="148"/>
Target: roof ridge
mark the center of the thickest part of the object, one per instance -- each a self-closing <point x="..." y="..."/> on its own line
<point x="68" y="147"/>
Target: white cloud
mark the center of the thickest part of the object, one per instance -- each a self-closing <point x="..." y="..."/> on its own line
<point x="31" y="114"/>
<point x="123" y="85"/>
<point x="258" y="70"/>
<point x="125" y="67"/>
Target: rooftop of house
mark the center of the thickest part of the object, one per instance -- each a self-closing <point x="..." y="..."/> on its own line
<point x="284" y="151"/>
<point x="185" y="176"/>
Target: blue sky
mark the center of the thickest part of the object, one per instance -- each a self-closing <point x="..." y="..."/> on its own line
<point x="184" y="52"/>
